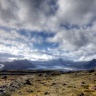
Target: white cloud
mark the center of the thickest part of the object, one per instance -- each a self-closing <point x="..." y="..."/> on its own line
<point x="87" y="58"/>
<point x="76" y="43"/>
<point x="43" y="15"/>
<point x="18" y="46"/>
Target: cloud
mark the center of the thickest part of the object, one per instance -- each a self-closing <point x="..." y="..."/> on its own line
<point x="14" y="45"/>
<point x="39" y="15"/>
<point x="77" y="42"/>
<point x="30" y="14"/>
<point x="76" y="12"/>
<point x="74" y="38"/>
<point x="71" y="21"/>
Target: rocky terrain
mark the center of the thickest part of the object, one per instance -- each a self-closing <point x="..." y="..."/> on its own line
<point x="48" y="83"/>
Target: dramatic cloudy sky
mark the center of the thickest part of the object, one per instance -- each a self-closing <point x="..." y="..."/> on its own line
<point x="48" y="29"/>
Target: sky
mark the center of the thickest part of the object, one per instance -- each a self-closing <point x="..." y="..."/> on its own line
<point x="48" y="29"/>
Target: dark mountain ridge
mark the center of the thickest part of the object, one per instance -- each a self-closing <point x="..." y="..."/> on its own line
<point x="17" y="65"/>
<point x="91" y="64"/>
<point x="58" y="64"/>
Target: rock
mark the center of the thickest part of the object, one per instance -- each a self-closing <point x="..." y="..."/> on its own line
<point x="94" y="73"/>
<point x="4" y="77"/>
<point x="81" y="94"/>
<point x="46" y="93"/>
<point x="6" y="94"/>
<point x="64" y="84"/>
<point x="4" y="86"/>
<point x="39" y="74"/>
<point x="93" y="88"/>
<point x="28" y="82"/>
<point x="29" y="90"/>
<point x="1" y="90"/>
<point x="53" y="84"/>
<point x="91" y="71"/>
<point x="74" y="87"/>
<point x="83" y="82"/>
<point x="55" y="73"/>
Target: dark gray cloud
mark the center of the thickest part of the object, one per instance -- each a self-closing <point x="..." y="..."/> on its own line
<point x="30" y="14"/>
<point x="38" y="14"/>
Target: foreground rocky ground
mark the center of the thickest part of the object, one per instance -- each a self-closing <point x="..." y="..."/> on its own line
<point x="49" y="84"/>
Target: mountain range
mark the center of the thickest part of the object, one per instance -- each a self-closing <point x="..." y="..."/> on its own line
<point x="58" y="64"/>
<point x="16" y="65"/>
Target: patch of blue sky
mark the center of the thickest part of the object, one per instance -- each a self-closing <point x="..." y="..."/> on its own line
<point x="5" y="28"/>
<point x="31" y="34"/>
<point x="53" y="3"/>
<point x="23" y="32"/>
<point x="45" y="45"/>
<point x="68" y="26"/>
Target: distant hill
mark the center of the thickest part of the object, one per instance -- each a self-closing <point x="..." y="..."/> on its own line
<point x="66" y="65"/>
<point x="58" y="64"/>
<point x="91" y="64"/>
<point x="17" y="65"/>
<point x="82" y="65"/>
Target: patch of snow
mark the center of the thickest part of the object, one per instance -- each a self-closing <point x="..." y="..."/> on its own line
<point x="1" y="66"/>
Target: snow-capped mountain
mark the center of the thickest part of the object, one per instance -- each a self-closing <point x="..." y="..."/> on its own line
<point x="65" y="64"/>
<point x="56" y="64"/>
<point x="17" y="65"/>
